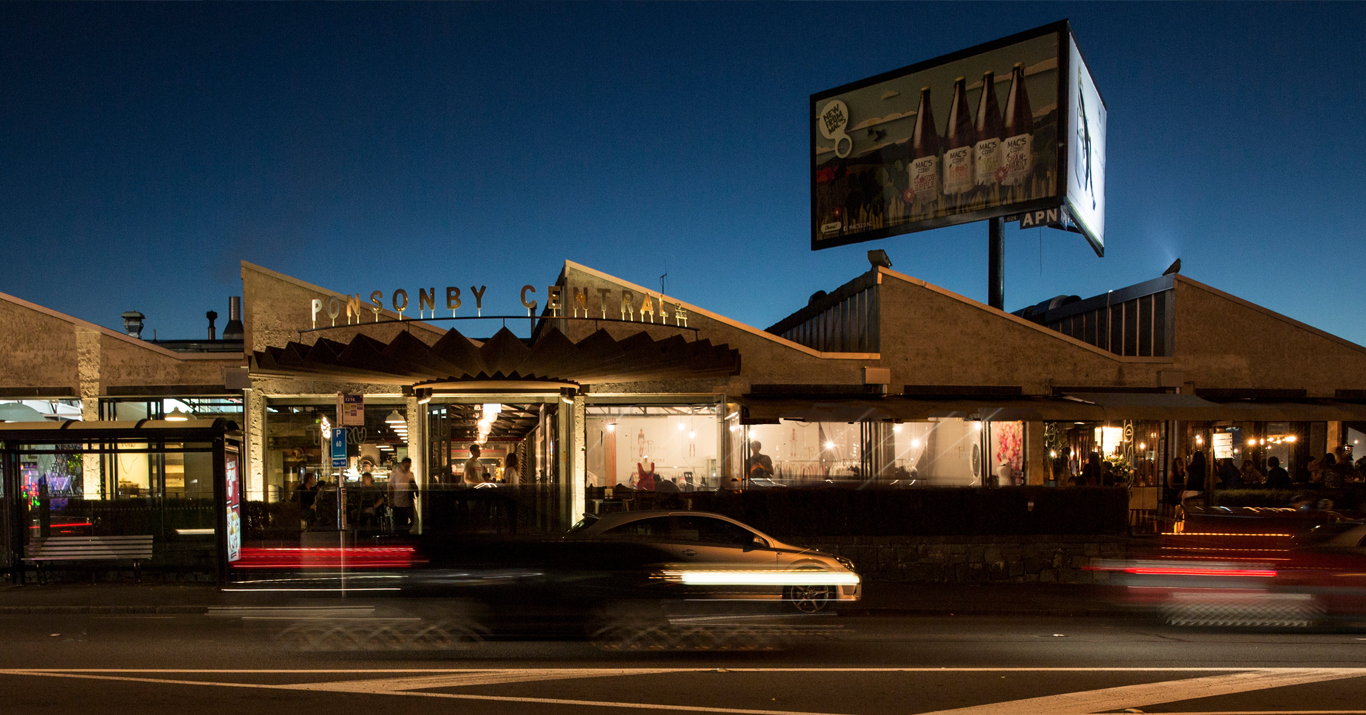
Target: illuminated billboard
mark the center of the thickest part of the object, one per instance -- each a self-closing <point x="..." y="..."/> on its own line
<point x="977" y="134"/>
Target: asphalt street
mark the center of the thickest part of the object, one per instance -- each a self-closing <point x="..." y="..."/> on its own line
<point x="361" y="659"/>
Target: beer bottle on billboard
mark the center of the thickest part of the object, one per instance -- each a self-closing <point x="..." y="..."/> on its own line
<point x="958" y="143"/>
<point x="1018" y="155"/>
<point x="987" y="152"/>
<point x="924" y="167"/>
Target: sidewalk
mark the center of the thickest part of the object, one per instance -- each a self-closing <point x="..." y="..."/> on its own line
<point x="879" y="599"/>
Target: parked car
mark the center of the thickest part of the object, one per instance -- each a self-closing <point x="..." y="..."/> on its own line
<point x="720" y="557"/>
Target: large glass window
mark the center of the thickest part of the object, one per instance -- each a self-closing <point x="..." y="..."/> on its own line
<point x="295" y="449"/>
<point x="677" y="442"/>
<point x="945" y="452"/>
<point x="157" y="408"/>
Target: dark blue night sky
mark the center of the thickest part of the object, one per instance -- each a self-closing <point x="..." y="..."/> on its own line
<point x="145" y="149"/>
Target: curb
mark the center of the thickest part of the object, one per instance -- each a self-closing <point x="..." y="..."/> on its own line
<point x="100" y="610"/>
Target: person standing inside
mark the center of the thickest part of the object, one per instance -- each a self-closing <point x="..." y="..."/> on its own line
<point x="1091" y="473"/>
<point x="1343" y="471"/>
<point x="760" y="466"/>
<point x="1198" y="472"/>
<point x="511" y="473"/>
<point x="1276" y="476"/>
<point x="475" y="473"/>
<point x="402" y="492"/>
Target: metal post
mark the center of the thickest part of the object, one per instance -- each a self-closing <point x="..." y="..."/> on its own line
<point x="996" y="267"/>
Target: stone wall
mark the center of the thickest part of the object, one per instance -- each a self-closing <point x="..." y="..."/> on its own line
<point x="967" y="559"/>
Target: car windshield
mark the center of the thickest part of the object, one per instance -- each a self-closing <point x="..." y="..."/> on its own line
<point x="587" y="521"/>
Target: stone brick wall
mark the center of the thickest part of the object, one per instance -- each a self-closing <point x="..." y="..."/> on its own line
<point x="967" y="559"/>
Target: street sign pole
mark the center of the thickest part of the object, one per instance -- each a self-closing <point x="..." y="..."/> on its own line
<point x="996" y="267"/>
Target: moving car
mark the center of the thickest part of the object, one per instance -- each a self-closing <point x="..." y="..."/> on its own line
<point x="1281" y="579"/>
<point x="719" y="557"/>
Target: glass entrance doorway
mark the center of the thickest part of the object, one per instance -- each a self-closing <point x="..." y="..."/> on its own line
<point x="495" y="463"/>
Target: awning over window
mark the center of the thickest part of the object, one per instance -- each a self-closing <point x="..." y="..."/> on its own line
<point x="1076" y="407"/>
<point x="1133" y="406"/>
<point x="907" y="409"/>
<point x="406" y="360"/>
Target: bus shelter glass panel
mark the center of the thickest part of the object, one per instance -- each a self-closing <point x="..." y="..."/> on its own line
<point x="154" y="488"/>
<point x="671" y="443"/>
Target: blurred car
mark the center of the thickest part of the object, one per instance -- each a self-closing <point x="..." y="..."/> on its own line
<point x="1307" y="579"/>
<point x="719" y="557"/>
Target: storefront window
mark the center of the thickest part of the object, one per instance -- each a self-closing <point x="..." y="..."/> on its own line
<point x="157" y="408"/>
<point x="294" y="448"/>
<point x="679" y="441"/>
<point x="941" y="453"/>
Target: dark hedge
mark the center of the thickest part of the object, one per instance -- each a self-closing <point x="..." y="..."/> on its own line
<point x="924" y="512"/>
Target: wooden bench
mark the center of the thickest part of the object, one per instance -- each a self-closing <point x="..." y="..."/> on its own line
<point x="58" y="549"/>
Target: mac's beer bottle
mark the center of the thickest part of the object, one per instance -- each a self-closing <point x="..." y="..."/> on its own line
<point x="987" y="152"/>
<point x="1018" y="158"/>
<point x="959" y="140"/>
<point x="924" y="167"/>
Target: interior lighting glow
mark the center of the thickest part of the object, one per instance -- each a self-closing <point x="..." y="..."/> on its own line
<point x="1291" y="438"/>
<point x="680" y="426"/>
<point x="612" y="427"/>
<point x="1053" y="454"/>
<point x="692" y="435"/>
<point x="394" y="418"/>
<point x="896" y="428"/>
<point x="915" y="444"/>
<point x="829" y="445"/>
<point x="177" y="416"/>
<point x="765" y="578"/>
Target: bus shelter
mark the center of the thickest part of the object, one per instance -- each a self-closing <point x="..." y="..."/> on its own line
<point x="175" y="482"/>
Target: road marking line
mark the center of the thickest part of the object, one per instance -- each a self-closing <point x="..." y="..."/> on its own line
<point x="933" y="669"/>
<point x="1077" y="703"/>
<point x="488" y="677"/>
<point x="452" y="696"/>
<point x="1169" y="691"/>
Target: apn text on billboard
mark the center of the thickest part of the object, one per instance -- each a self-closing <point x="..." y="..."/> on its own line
<point x="977" y="134"/>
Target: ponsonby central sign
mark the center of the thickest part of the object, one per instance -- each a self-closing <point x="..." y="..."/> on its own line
<point x="609" y="303"/>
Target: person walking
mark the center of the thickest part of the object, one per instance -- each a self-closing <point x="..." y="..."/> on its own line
<point x="402" y="491"/>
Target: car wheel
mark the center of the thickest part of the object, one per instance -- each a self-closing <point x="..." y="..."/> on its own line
<point x="809" y="599"/>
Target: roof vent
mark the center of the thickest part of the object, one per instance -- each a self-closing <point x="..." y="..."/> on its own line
<point x="132" y="323"/>
<point x="816" y="297"/>
<point x="233" y="330"/>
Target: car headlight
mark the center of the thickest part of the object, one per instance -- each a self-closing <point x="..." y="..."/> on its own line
<point x="846" y="563"/>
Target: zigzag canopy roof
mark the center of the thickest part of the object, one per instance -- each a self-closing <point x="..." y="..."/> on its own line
<point x="406" y="360"/>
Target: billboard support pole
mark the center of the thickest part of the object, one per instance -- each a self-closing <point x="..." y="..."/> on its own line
<point x="996" y="267"/>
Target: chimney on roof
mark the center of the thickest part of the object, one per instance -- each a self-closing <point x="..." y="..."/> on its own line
<point x="132" y="323"/>
<point x="233" y="330"/>
<point x="213" y="332"/>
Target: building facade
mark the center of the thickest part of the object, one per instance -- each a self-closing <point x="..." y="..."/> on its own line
<point x="885" y="380"/>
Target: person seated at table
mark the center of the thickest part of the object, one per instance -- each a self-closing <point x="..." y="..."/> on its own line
<point x="371" y="501"/>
